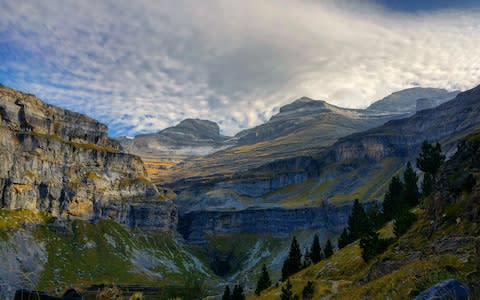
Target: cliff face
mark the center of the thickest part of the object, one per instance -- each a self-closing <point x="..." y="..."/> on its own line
<point x="194" y="226"/>
<point x="62" y="162"/>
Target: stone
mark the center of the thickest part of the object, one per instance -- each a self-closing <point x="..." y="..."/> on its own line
<point x="445" y="290"/>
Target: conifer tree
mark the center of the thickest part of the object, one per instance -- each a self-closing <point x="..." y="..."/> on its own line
<point x="315" y="250"/>
<point x="358" y="223"/>
<point x="238" y="293"/>
<point x="308" y="291"/>
<point x="393" y="198"/>
<point x="344" y="239"/>
<point x="372" y="245"/>
<point x="429" y="161"/>
<point x="430" y="158"/>
<point x="403" y="221"/>
<point x="226" y="294"/>
<point x="375" y="216"/>
<point x="264" y="281"/>
<point x="293" y="263"/>
<point x="328" y="250"/>
<point x="287" y="293"/>
<point x="410" y="178"/>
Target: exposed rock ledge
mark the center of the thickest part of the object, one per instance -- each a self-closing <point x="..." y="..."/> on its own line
<point x="64" y="163"/>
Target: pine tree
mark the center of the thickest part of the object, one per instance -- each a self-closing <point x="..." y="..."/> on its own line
<point x="226" y="294"/>
<point x="315" y="250"/>
<point x="393" y="198"/>
<point x="375" y="216"/>
<point x="358" y="223"/>
<point x="429" y="161"/>
<point x="372" y="245"/>
<point x="287" y="293"/>
<point x="328" y="250"/>
<point x="308" y="291"/>
<point x="430" y="158"/>
<point x="293" y="263"/>
<point x="344" y="239"/>
<point x="264" y="281"/>
<point x="307" y="260"/>
<point x="410" y="178"/>
<point x="238" y="293"/>
<point x="402" y="222"/>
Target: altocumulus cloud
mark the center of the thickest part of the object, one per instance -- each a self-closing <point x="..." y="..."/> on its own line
<point x="140" y="66"/>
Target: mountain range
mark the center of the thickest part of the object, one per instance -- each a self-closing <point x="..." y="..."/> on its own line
<point x="174" y="202"/>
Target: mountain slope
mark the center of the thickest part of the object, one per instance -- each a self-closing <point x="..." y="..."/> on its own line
<point x="442" y="244"/>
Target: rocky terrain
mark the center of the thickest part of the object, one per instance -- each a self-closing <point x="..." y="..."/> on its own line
<point x="63" y="163"/>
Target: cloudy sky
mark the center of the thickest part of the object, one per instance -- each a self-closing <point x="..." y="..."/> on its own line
<point x="141" y="66"/>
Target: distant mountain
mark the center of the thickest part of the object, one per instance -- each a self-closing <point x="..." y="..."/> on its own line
<point x="191" y="137"/>
<point x="307" y="114"/>
<point x="413" y="99"/>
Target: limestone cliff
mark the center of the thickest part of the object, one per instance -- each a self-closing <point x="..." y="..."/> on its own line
<point x="64" y="163"/>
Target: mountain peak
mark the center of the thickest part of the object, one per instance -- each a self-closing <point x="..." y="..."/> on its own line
<point x="304" y="104"/>
<point x="405" y="101"/>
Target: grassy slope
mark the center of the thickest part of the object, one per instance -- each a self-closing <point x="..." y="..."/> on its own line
<point x="416" y="262"/>
<point x="105" y="252"/>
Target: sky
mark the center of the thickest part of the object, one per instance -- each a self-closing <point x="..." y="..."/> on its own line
<point x="141" y="66"/>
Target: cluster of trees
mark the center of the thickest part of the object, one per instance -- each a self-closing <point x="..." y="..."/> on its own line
<point x="400" y="198"/>
<point x="237" y="293"/>
<point x="293" y="263"/>
<point x="307" y="292"/>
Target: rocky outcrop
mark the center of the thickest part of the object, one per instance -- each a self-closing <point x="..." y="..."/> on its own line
<point x="194" y="226"/>
<point x="447" y="289"/>
<point x="63" y="163"/>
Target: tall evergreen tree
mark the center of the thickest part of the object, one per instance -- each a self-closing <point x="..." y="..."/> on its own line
<point x="375" y="216"/>
<point x="328" y="250"/>
<point x="264" y="281"/>
<point x="393" y="198"/>
<point x="358" y="223"/>
<point x="238" y="293"/>
<point x="315" y="250"/>
<point x="410" y="178"/>
<point x="429" y="161"/>
<point x="293" y="263"/>
<point x="308" y="291"/>
<point x="226" y="294"/>
<point x="287" y="293"/>
<point x="403" y="221"/>
<point x="344" y="239"/>
<point x="430" y="158"/>
<point x="372" y="245"/>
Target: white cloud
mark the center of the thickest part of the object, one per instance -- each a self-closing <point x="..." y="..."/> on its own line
<point x="144" y="65"/>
